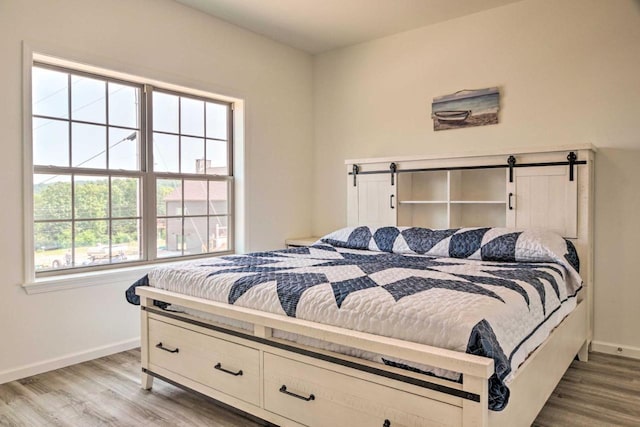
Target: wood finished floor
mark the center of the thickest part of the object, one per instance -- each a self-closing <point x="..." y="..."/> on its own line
<point x="106" y="391"/>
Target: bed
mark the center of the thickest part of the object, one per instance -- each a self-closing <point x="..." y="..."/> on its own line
<point x="374" y="326"/>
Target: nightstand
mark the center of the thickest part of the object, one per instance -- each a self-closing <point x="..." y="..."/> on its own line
<point x="301" y="241"/>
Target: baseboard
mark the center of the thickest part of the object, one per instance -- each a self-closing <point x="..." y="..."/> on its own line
<point x="616" y="349"/>
<point x="67" y="360"/>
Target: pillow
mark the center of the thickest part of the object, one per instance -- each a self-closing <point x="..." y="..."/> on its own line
<point x="481" y="243"/>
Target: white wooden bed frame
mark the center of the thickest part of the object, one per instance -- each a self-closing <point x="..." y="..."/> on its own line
<point x="249" y="369"/>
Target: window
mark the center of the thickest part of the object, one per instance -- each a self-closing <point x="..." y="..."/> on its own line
<point x="125" y="172"/>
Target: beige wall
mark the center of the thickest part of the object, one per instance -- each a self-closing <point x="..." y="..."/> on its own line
<point x="569" y="72"/>
<point x="164" y="40"/>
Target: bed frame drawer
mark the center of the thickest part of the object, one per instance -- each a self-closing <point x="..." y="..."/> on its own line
<point x="317" y="397"/>
<point x="222" y="365"/>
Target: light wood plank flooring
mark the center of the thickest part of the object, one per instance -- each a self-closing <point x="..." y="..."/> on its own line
<point x="602" y="392"/>
<point x="106" y="391"/>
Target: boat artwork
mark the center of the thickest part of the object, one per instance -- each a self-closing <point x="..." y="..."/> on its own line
<point x="452" y="116"/>
<point x="466" y="108"/>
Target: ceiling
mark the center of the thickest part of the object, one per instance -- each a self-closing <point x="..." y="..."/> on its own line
<point x="317" y="26"/>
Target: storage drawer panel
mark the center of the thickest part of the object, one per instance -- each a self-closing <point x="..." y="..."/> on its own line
<point x="225" y="366"/>
<point x="339" y="399"/>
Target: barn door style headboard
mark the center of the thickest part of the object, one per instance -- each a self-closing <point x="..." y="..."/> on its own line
<point x="537" y="188"/>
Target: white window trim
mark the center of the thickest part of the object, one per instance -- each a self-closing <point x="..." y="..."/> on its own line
<point x="81" y="280"/>
<point x="77" y="60"/>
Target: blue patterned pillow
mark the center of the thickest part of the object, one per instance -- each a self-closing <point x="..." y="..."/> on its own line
<point x="481" y="243"/>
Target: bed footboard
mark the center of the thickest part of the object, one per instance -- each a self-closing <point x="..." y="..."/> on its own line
<point x="279" y="381"/>
<point x="291" y="384"/>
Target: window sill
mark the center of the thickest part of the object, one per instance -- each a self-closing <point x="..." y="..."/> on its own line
<point x="105" y="277"/>
<point x="82" y="280"/>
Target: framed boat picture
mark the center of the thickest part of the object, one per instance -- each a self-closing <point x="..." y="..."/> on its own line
<point x="466" y="108"/>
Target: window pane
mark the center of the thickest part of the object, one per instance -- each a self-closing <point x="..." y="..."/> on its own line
<point x="165" y="112"/>
<point x="217" y="159"/>
<point x="217" y="120"/>
<point x="195" y="235"/>
<point x="123" y="105"/>
<point x="125" y="199"/>
<point x="88" y="143"/>
<point x="166" y="153"/>
<point x="91" y="242"/>
<point x="88" y="99"/>
<point x="124" y="148"/>
<point x="91" y="194"/>
<point x="192" y="117"/>
<point x="52" y="242"/>
<point x="218" y="233"/>
<point x="195" y="197"/>
<point x="192" y="155"/>
<point x="168" y="197"/>
<point x="125" y="238"/>
<point x="51" y="197"/>
<point x="50" y="93"/>
<point x="218" y="198"/>
<point x="50" y="142"/>
<point x="171" y="244"/>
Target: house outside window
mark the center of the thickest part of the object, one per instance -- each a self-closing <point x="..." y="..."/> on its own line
<point x="126" y="173"/>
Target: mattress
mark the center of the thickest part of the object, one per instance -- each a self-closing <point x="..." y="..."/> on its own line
<point x="492" y="292"/>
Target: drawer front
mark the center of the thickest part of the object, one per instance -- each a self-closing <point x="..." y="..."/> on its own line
<point x="319" y="397"/>
<point x="225" y="366"/>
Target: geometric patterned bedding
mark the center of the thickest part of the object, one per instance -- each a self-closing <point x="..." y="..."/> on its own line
<point x="501" y="302"/>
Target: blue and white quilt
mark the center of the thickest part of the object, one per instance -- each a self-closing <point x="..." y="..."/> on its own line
<point x="492" y="292"/>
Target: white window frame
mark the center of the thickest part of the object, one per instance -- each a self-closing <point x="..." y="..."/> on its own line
<point x="116" y="272"/>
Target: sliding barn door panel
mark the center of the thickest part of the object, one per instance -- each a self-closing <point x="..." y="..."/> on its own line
<point x="372" y="201"/>
<point x="544" y="197"/>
